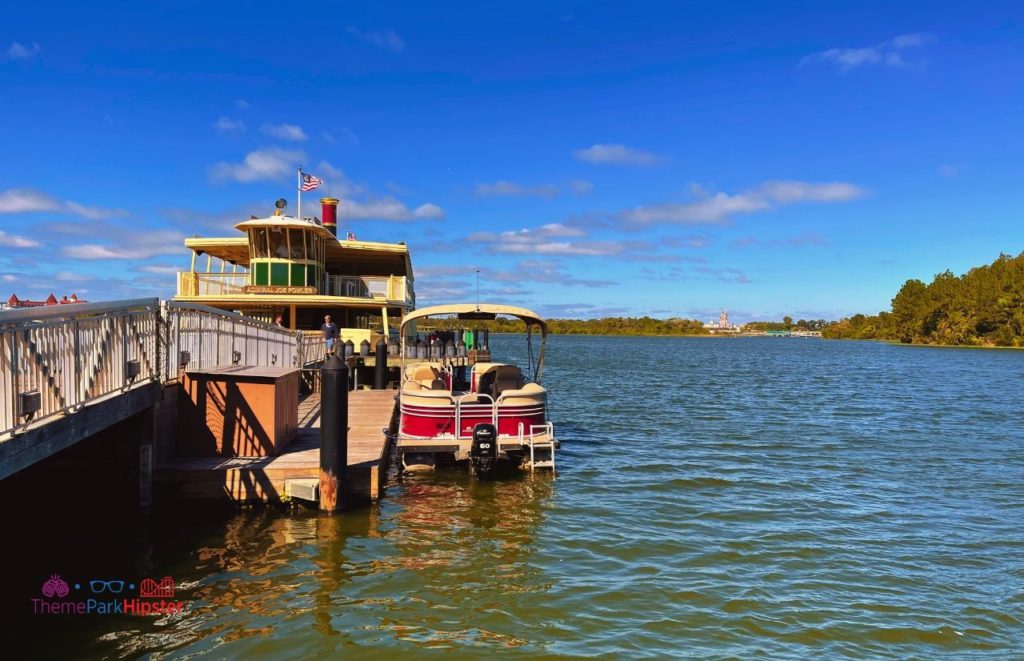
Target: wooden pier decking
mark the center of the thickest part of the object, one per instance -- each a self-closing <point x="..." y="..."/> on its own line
<point x="372" y="414"/>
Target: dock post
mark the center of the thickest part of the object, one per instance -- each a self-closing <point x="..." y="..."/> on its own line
<point x="333" y="434"/>
<point x="380" y="366"/>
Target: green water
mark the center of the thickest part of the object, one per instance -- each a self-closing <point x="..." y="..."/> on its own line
<point x="717" y="498"/>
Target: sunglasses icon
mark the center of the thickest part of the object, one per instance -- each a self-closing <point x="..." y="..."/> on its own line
<point x="100" y="586"/>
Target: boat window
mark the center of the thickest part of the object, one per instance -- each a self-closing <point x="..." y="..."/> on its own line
<point x="278" y="243"/>
<point x="298" y="247"/>
<point x="258" y="240"/>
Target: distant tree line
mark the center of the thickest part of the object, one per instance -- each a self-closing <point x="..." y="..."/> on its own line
<point x="983" y="307"/>
<point x="787" y="323"/>
<point x="605" y="326"/>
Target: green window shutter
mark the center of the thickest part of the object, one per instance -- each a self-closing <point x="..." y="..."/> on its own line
<point x="261" y="273"/>
<point x="279" y="274"/>
<point x="298" y="275"/>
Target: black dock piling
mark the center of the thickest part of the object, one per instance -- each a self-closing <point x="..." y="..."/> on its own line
<point x="380" y="366"/>
<point x="333" y="434"/>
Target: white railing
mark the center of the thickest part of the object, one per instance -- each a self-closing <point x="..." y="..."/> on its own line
<point x="382" y="287"/>
<point x="54" y="360"/>
<point x="211" y="284"/>
<point x="197" y="337"/>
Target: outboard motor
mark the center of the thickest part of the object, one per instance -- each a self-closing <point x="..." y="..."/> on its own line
<point x="484" y="454"/>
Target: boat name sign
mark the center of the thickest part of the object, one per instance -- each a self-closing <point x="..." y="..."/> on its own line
<point x="269" y="289"/>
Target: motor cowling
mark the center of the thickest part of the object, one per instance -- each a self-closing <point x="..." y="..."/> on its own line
<point x="483" y="454"/>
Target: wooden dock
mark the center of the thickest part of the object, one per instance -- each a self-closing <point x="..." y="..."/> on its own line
<point x="372" y="417"/>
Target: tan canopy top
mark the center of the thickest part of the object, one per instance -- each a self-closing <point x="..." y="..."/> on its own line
<point x="485" y="310"/>
<point x="285" y="222"/>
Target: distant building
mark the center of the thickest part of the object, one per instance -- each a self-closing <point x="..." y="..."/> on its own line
<point x="15" y="302"/>
<point x="723" y="325"/>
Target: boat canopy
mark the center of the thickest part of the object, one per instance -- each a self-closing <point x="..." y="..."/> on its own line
<point x="478" y="312"/>
<point x="485" y="312"/>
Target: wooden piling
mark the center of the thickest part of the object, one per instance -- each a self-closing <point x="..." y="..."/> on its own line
<point x="380" y="366"/>
<point x="333" y="434"/>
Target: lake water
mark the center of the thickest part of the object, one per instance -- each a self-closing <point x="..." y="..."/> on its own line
<point x="721" y="497"/>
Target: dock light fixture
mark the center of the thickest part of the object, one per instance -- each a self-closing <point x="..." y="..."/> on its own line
<point x="29" y="403"/>
<point x="184" y="358"/>
<point x="236" y="357"/>
<point x="132" y="369"/>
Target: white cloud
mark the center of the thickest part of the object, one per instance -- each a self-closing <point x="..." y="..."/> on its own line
<point x="511" y="188"/>
<point x="808" y="239"/>
<point x="721" y="206"/>
<point x="7" y="277"/>
<point x="134" y="245"/>
<point x="15" y="241"/>
<point x="22" y="200"/>
<point x="428" y="210"/>
<point x="890" y="53"/>
<point x="242" y="104"/>
<point x="947" y="170"/>
<point x="93" y="213"/>
<point x="285" y="132"/>
<point x="545" y="271"/>
<point x="70" y="276"/>
<point x="388" y="208"/>
<point x="617" y="155"/>
<point x="386" y="39"/>
<point x="228" y="125"/>
<point x="27" y="200"/>
<point x="259" y="165"/>
<point x="21" y="52"/>
<point x="691" y="241"/>
<point x="581" y="187"/>
<point x="551" y="239"/>
<point x="551" y="230"/>
<point x="160" y="269"/>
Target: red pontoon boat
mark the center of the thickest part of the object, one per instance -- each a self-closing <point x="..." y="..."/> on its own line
<point x="457" y="405"/>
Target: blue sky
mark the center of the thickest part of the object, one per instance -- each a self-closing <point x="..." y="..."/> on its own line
<point x="799" y="158"/>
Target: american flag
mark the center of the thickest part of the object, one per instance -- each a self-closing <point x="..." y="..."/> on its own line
<point x="309" y="182"/>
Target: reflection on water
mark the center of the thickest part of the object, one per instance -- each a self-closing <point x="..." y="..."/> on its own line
<point x="762" y="497"/>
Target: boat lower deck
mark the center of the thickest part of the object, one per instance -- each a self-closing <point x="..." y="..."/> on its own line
<point x="372" y="418"/>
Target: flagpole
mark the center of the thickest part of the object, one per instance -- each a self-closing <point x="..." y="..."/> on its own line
<point x="298" y="176"/>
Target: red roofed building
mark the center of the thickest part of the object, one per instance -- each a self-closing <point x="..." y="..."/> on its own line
<point x="15" y="302"/>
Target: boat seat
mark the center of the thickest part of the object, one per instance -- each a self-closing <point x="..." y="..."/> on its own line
<point x="506" y="377"/>
<point x="530" y="393"/>
<point x="479" y="372"/>
<point x="426" y="375"/>
<point x="416" y="394"/>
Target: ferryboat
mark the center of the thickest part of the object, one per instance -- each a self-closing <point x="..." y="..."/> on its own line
<point x="459" y="406"/>
<point x="295" y="271"/>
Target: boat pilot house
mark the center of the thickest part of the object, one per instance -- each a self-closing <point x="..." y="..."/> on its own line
<point x="298" y="271"/>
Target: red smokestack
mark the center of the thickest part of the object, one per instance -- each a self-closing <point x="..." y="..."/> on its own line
<point x="329" y="207"/>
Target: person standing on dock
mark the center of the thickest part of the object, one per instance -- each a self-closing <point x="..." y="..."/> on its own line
<point x="330" y="331"/>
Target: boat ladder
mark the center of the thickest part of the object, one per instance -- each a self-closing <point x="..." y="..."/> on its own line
<point x="541" y="448"/>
